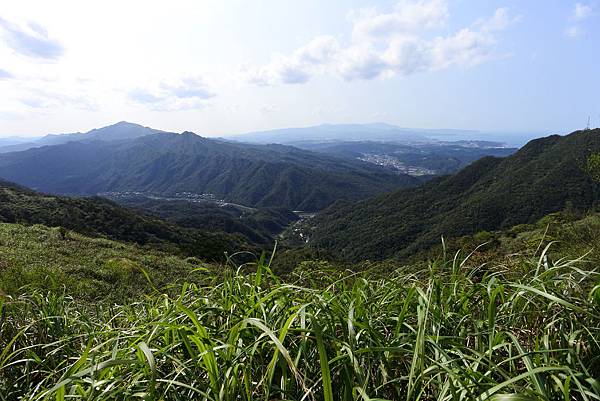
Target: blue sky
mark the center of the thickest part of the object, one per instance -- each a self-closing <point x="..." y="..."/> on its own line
<point x="223" y="67"/>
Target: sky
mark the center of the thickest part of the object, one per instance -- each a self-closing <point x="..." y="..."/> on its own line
<point x="219" y="67"/>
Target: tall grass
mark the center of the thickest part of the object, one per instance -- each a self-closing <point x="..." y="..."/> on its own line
<point x="451" y="332"/>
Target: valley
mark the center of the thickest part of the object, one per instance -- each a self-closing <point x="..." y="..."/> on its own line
<point x="178" y="196"/>
<point x="300" y="200"/>
<point x="162" y="272"/>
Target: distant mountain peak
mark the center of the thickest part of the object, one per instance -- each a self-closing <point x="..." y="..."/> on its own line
<point x="121" y="124"/>
<point x="122" y="130"/>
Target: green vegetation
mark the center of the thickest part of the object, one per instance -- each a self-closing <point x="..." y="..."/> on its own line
<point x="571" y="234"/>
<point x="258" y="226"/>
<point x="252" y="175"/>
<point x="108" y="305"/>
<point x="593" y="166"/>
<point x="45" y="259"/>
<point x="543" y="177"/>
<point x="453" y="331"/>
<point x="100" y="217"/>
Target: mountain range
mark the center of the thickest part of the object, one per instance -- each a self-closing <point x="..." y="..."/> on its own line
<point x="334" y="132"/>
<point x="128" y="157"/>
<point x="115" y="132"/>
<point x="379" y="132"/>
<point x="368" y="209"/>
<point x="547" y="175"/>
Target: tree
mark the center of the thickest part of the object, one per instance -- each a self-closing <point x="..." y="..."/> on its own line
<point x="593" y="166"/>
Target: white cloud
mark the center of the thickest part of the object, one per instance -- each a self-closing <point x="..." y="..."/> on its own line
<point x="581" y="11"/>
<point x="501" y="20"/>
<point x="407" y="17"/>
<point x="388" y="44"/>
<point x="465" y="48"/>
<point x="183" y="94"/>
<point x="409" y="55"/>
<point x="360" y="62"/>
<point x="30" y="40"/>
<point x="188" y="88"/>
<point x="573" y="31"/>
<point x="299" y="66"/>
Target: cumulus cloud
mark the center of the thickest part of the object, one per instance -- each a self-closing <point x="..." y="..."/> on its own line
<point x="573" y="31"/>
<point x="188" y="88"/>
<point x="298" y="67"/>
<point x="183" y="94"/>
<point x="398" y="42"/>
<point x="30" y="40"/>
<point x="580" y="13"/>
<point x="406" y="18"/>
<point x="501" y="20"/>
<point x="5" y="74"/>
<point x="360" y="62"/>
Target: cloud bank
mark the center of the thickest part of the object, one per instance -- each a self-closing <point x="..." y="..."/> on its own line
<point x="384" y="44"/>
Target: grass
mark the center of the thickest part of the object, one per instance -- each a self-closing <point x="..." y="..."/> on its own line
<point x="89" y="269"/>
<point x="453" y="331"/>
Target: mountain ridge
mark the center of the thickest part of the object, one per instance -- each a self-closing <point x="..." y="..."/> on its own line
<point x="545" y="176"/>
<point x="114" y="132"/>
<point x="166" y="163"/>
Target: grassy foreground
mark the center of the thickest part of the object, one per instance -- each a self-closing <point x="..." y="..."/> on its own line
<point x="451" y="332"/>
<point x="88" y="269"/>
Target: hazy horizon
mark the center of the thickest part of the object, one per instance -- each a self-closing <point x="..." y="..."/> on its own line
<point x="511" y="138"/>
<point x="222" y="68"/>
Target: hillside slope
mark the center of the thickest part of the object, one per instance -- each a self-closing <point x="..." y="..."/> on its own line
<point x="101" y="218"/>
<point x="93" y="269"/>
<point x="545" y="176"/>
<point x="253" y="175"/>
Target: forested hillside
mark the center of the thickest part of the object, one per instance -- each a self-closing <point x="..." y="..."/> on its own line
<point x="259" y="226"/>
<point x="545" y="176"/>
<point x="253" y="175"/>
<point x="100" y="217"/>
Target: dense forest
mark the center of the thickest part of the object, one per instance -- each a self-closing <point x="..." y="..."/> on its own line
<point x="545" y="176"/>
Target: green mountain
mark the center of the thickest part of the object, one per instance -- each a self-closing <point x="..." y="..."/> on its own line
<point x="545" y="176"/>
<point x="99" y="217"/>
<point x="166" y="164"/>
